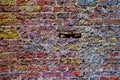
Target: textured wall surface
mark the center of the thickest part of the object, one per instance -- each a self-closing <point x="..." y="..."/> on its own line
<point x="32" y="49"/>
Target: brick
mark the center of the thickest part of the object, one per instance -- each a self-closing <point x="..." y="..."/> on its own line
<point x="113" y="15"/>
<point x="63" y="15"/>
<point x="10" y="9"/>
<point x="25" y="61"/>
<point x="23" y="16"/>
<point x="13" y="62"/>
<point x="15" y="76"/>
<point x="5" y="76"/>
<point x="71" y="9"/>
<point x="67" y="74"/>
<point x="49" y="16"/>
<point x="25" y="55"/>
<point x="33" y="35"/>
<point x="31" y="75"/>
<point x="112" y="3"/>
<point x="114" y="78"/>
<point x="112" y="21"/>
<point x="21" y="2"/>
<point x="105" y="15"/>
<point x="4" y="42"/>
<point x="89" y="22"/>
<point x="86" y="3"/>
<point x="104" y="78"/>
<point x="46" y="9"/>
<point x="76" y="74"/>
<point x="94" y="15"/>
<point x="66" y="2"/>
<point x="7" y="2"/>
<point x="98" y="21"/>
<point x="72" y="61"/>
<point x="9" y="36"/>
<point x="41" y="55"/>
<point x="63" y="67"/>
<point x="10" y="48"/>
<point x="30" y="8"/>
<point x="4" y="56"/>
<point x="4" y="62"/>
<point x="61" y="2"/>
<point x="41" y="2"/>
<point x="26" y="2"/>
<point x="58" y="22"/>
<point x="4" y="69"/>
<point x="20" y="68"/>
<point x="7" y="22"/>
<point x="42" y="68"/>
<point x="51" y="74"/>
<point x="30" y="22"/>
<point x="50" y="2"/>
<point x="51" y="28"/>
<point x="112" y="53"/>
<point x="74" y="15"/>
<point x="53" y="61"/>
<point x="7" y="15"/>
<point x="58" y="9"/>
<point x="102" y="1"/>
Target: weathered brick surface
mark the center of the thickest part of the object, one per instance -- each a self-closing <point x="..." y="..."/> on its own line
<point x="59" y="39"/>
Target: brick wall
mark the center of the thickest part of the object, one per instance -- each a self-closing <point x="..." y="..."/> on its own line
<point x="59" y="39"/>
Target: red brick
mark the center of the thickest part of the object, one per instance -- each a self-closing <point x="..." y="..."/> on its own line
<point x="104" y="78"/>
<point x="76" y="74"/>
<point x="31" y="75"/>
<point x="11" y="48"/>
<point x="4" y="63"/>
<point x="41" y="55"/>
<point x="21" y="2"/>
<point x="115" y="21"/>
<point x="71" y="9"/>
<point x="32" y="68"/>
<point x="26" y="2"/>
<point x="41" y="2"/>
<point x="114" y="78"/>
<point x="46" y="9"/>
<point x="111" y="53"/>
<point x="13" y="62"/>
<point x="105" y="15"/>
<point x="4" y="69"/>
<point x="51" y="74"/>
<point x="112" y="21"/>
<point x="63" y="67"/>
<point x="50" y="2"/>
<point x="94" y="15"/>
<point x="25" y="55"/>
<point x="102" y="1"/>
<point x="113" y="15"/>
<point x="30" y="22"/>
<point x="11" y="9"/>
<point x="58" y="9"/>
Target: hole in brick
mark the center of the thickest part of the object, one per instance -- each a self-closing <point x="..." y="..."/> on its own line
<point x="69" y="35"/>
